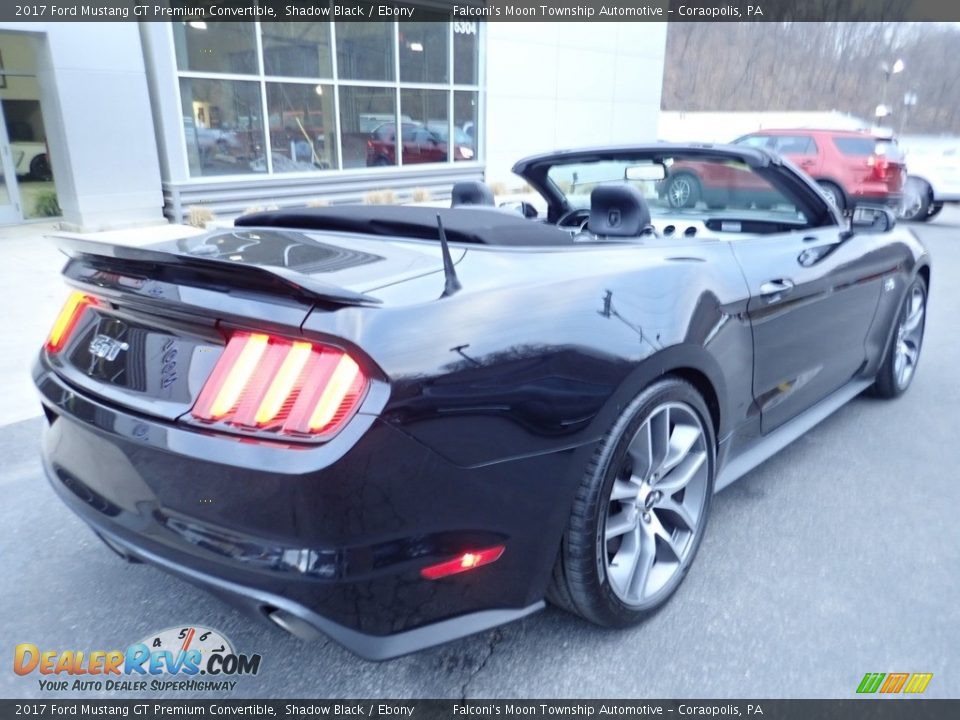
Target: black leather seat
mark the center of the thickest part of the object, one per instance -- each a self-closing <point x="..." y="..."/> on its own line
<point x="618" y="211"/>
<point x="471" y="192"/>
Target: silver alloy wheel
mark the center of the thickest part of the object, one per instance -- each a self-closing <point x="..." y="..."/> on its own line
<point x="909" y="337"/>
<point x="912" y="201"/>
<point x="831" y="194"/>
<point x="679" y="192"/>
<point x="656" y="504"/>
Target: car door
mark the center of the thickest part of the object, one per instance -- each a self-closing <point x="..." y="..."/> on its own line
<point x="813" y="295"/>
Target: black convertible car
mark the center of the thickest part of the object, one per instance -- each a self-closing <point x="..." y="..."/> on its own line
<point x="400" y="425"/>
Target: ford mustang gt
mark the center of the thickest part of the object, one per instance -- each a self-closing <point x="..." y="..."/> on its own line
<point x="396" y="426"/>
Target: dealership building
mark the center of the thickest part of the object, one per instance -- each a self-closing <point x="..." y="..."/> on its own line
<point x="121" y="124"/>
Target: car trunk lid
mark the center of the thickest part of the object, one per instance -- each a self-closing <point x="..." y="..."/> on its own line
<point x="156" y="319"/>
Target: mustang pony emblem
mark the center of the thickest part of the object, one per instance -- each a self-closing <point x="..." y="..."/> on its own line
<point x="106" y="347"/>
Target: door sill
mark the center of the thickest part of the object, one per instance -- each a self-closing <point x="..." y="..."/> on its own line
<point x="771" y="444"/>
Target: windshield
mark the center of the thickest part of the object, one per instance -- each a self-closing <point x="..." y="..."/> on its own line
<point x="696" y="187"/>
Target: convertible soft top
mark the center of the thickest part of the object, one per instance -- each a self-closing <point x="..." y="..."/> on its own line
<point x="484" y="226"/>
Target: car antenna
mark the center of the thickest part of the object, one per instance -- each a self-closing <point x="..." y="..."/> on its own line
<point x="452" y="283"/>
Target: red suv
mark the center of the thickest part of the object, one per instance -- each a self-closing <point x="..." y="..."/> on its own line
<point x="852" y="167"/>
<point x="420" y="145"/>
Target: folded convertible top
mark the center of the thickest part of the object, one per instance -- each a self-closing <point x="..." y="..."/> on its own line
<point x="484" y="226"/>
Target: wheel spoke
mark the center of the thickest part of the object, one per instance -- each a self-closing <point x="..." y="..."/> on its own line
<point x="682" y="440"/>
<point x="620" y="524"/>
<point x="899" y="362"/>
<point x="913" y="319"/>
<point x="623" y="490"/>
<point x="645" y="559"/>
<point x="681" y="476"/>
<point x="641" y="451"/>
<point x="657" y="530"/>
<point x="910" y="353"/>
<point x="679" y="511"/>
<point x="659" y="438"/>
<point x="623" y="567"/>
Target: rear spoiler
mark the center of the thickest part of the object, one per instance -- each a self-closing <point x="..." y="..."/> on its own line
<point x="182" y="268"/>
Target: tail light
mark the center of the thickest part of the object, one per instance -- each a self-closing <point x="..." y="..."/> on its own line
<point x="66" y="321"/>
<point x="880" y="166"/>
<point x="276" y="385"/>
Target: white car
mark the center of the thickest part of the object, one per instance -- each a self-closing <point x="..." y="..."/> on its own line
<point x="30" y="159"/>
<point x="933" y="176"/>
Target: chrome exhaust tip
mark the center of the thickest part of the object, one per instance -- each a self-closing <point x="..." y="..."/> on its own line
<point x="298" y="627"/>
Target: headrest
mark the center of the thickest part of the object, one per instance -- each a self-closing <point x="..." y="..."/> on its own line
<point x="618" y="210"/>
<point x="471" y="192"/>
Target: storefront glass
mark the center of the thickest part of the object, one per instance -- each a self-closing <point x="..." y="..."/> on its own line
<point x="335" y="95"/>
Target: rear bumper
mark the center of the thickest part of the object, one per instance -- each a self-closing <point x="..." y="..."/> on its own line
<point x="332" y="538"/>
<point x="872" y="196"/>
<point x="307" y="624"/>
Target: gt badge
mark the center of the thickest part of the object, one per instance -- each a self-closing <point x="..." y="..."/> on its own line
<point x="106" y="347"/>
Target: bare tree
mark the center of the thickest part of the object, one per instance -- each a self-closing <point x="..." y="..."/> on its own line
<point x="832" y="65"/>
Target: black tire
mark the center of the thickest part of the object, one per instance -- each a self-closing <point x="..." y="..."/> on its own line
<point x="580" y="582"/>
<point x="916" y="201"/>
<point x="934" y="210"/>
<point x="381" y="161"/>
<point x="834" y="192"/>
<point x="890" y="382"/>
<point x="40" y="168"/>
<point x="683" y="190"/>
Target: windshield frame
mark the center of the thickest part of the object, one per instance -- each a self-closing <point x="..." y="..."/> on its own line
<point x="776" y="170"/>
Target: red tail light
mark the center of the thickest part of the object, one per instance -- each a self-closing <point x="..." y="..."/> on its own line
<point x="66" y="321"/>
<point x="880" y="166"/>
<point x="290" y="387"/>
<point x="467" y="561"/>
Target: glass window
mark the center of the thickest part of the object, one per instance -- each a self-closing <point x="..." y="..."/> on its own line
<point x="221" y="47"/>
<point x="223" y="126"/>
<point x="365" y="50"/>
<point x="423" y="51"/>
<point x="465" y="53"/>
<point x="297" y="49"/>
<point x="302" y="127"/>
<point x="794" y="145"/>
<point x="368" y="117"/>
<point x="465" y="114"/>
<point x="719" y="190"/>
<point x="756" y="141"/>
<point x="425" y="129"/>
<point x="856" y="146"/>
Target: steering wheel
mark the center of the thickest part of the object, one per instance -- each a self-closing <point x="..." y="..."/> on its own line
<point x="574" y="218"/>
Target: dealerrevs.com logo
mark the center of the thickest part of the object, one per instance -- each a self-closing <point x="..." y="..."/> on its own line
<point x="191" y="658"/>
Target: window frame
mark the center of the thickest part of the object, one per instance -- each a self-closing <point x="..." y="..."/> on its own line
<point x="263" y="79"/>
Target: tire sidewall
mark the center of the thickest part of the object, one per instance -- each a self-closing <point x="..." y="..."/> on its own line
<point x="614" y="610"/>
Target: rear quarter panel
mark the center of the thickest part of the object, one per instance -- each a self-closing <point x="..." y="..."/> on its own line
<point x="541" y="349"/>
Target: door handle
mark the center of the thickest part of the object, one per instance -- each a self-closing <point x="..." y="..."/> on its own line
<point x="773" y="290"/>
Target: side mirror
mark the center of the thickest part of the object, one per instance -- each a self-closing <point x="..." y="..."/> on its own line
<point x="521" y="208"/>
<point x="873" y="218"/>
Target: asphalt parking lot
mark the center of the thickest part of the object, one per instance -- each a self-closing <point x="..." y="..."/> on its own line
<point x="839" y="556"/>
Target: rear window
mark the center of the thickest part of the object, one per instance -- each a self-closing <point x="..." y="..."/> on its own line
<point x="862" y="147"/>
